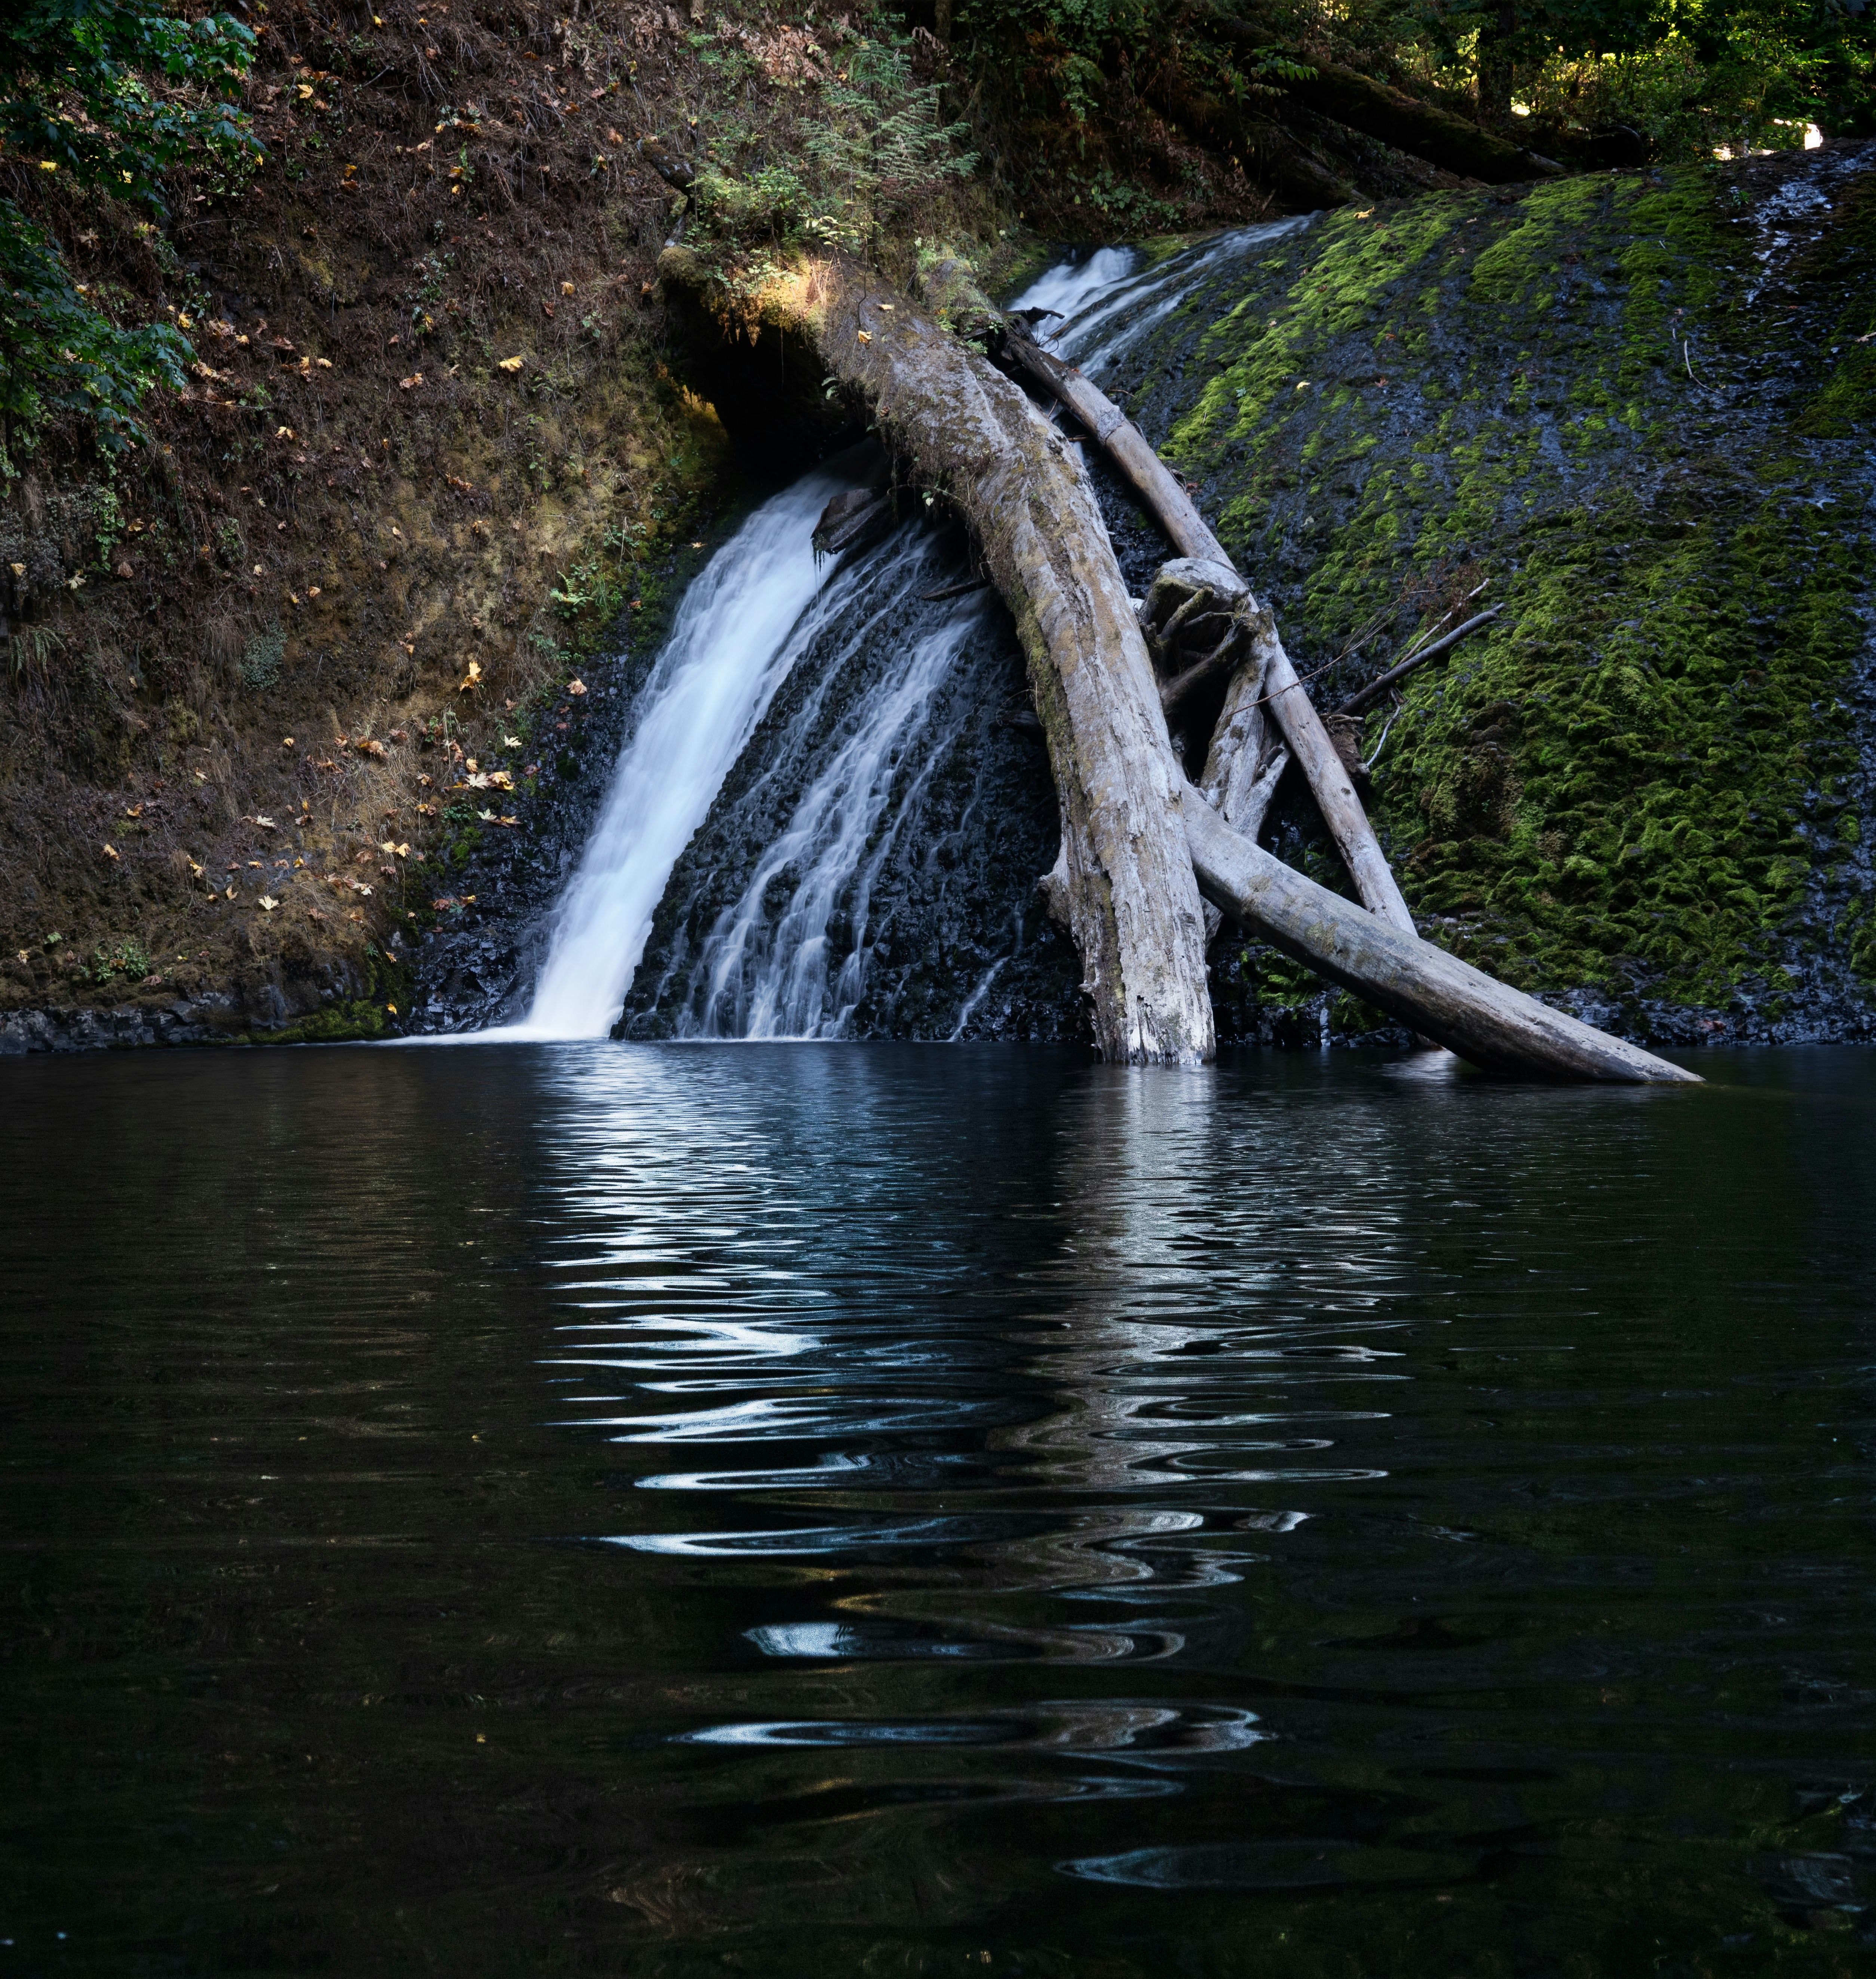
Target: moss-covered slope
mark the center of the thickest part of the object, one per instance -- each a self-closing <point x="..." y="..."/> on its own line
<point x="1637" y="408"/>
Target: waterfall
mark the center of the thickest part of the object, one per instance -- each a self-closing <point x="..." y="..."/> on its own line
<point x="787" y="953"/>
<point x="736" y="633"/>
<point x="760" y="976"/>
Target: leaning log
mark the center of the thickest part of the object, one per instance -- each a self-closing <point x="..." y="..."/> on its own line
<point x="1290" y="707"/>
<point x="1365" y="697"/>
<point x="1494" y="1026"/>
<point x="963" y="429"/>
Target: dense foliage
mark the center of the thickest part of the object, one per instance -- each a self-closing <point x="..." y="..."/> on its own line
<point x="1672" y="80"/>
<point x="101" y="101"/>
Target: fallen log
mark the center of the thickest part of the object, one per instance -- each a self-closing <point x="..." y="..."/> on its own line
<point x="1294" y="712"/>
<point x="1449" y="1001"/>
<point x="1453" y="143"/>
<point x="1238" y="780"/>
<point x="962" y="427"/>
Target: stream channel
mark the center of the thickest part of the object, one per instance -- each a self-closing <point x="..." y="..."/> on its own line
<point x="673" y="1507"/>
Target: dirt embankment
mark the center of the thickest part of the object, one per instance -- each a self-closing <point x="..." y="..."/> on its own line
<point x="427" y="452"/>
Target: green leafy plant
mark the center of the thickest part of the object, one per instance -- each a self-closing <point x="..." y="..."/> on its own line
<point x="103" y="100"/>
<point x="128" y="958"/>
<point x="856" y="145"/>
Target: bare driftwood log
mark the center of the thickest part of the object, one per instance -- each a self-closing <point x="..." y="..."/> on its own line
<point x="961" y="426"/>
<point x="1294" y="713"/>
<point x="1443" y="998"/>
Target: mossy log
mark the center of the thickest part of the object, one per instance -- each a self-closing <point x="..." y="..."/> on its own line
<point x="1449" y="1001"/>
<point x="961" y="428"/>
<point x="1441" y="137"/>
<point x="1290" y="707"/>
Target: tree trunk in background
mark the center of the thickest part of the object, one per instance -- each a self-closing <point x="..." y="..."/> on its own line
<point x="961" y="427"/>
<point x="1494" y="84"/>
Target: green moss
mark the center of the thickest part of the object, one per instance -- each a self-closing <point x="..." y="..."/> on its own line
<point x="1642" y="774"/>
<point x="344" y="1023"/>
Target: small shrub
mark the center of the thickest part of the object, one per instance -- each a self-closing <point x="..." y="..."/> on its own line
<point x="128" y="958"/>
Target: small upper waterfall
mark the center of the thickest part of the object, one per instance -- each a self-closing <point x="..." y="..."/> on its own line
<point x="779" y="934"/>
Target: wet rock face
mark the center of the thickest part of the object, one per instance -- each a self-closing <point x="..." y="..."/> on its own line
<point x="869" y="870"/>
<point x="1636" y="407"/>
<point x="477" y="967"/>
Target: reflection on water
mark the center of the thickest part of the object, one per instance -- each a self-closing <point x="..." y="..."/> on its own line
<point x="575" y="1508"/>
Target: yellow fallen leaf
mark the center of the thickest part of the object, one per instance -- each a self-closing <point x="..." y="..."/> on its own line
<point x="110" y="852"/>
<point x="866" y="337"/>
<point x="509" y="364"/>
<point x="231" y="893"/>
<point x="511" y="742"/>
<point x="392" y="1008"/>
<point x="576" y="687"/>
<point x="472" y="678"/>
<point x="282" y="433"/>
<point x="268" y="903"/>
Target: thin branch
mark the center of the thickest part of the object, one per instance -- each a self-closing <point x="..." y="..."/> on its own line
<point x="1377" y="687"/>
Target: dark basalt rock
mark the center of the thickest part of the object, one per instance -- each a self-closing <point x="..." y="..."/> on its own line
<point x="955" y="941"/>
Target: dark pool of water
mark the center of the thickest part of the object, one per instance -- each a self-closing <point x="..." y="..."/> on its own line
<point x="663" y="1509"/>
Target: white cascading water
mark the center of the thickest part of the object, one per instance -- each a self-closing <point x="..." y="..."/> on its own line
<point x="737" y="634"/>
<point x="763" y="978"/>
<point x="747" y="618"/>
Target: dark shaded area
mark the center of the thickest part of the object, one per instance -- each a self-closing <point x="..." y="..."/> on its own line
<point x="952" y="927"/>
<point x="681" y="1509"/>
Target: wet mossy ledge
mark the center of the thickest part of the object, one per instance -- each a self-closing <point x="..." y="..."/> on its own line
<point x="1636" y="408"/>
